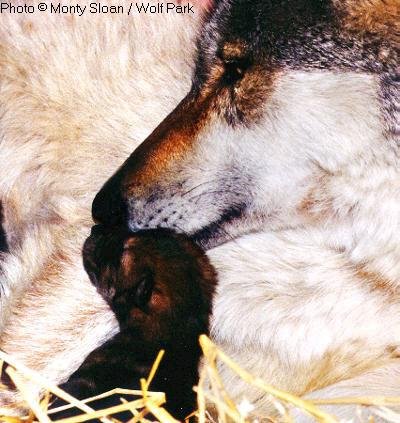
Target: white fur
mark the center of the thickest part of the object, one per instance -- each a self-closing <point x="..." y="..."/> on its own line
<point x="294" y="299"/>
<point x="77" y="96"/>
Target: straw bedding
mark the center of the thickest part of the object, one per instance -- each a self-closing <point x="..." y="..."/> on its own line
<point x="214" y="403"/>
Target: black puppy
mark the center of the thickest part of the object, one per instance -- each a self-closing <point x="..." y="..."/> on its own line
<point x="160" y="286"/>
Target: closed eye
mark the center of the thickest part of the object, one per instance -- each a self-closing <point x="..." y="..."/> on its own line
<point x="144" y="290"/>
<point x="137" y="296"/>
<point x="234" y="70"/>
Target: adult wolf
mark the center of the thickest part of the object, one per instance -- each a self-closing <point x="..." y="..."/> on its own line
<point x="283" y="162"/>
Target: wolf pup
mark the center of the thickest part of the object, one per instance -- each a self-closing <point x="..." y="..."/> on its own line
<point x="160" y="287"/>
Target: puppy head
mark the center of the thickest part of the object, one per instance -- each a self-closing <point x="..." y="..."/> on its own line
<point x="155" y="281"/>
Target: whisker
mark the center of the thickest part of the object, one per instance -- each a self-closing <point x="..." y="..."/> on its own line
<point x="206" y="183"/>
<point x="225" y="191"/>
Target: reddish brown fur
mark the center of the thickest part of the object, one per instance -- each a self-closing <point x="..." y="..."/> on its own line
<point x="167" y="144"/>
<point x="378" y="283"/>
<point x="374" y="16"/>
<point x="160" y="286"/>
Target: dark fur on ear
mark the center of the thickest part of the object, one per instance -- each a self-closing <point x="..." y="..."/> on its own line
<point x="3" y="239"/>
<point x="160" y="286"/>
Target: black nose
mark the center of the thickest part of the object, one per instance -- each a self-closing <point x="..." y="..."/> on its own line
<point x="108" y="207"/>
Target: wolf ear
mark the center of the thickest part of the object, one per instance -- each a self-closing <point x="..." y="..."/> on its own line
<point x="203" y="4"/>
<point x="144" y="290"/>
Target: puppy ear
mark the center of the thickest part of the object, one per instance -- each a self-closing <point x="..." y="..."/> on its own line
<point x="144" y="290"/>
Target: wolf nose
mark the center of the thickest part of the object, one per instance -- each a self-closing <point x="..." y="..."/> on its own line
<point x="108" y="207"/>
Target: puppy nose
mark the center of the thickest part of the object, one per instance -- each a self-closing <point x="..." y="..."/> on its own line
<point x="108" y="207"/>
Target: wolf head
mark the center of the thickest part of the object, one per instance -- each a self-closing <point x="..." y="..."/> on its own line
<point x="283" y="94"/>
